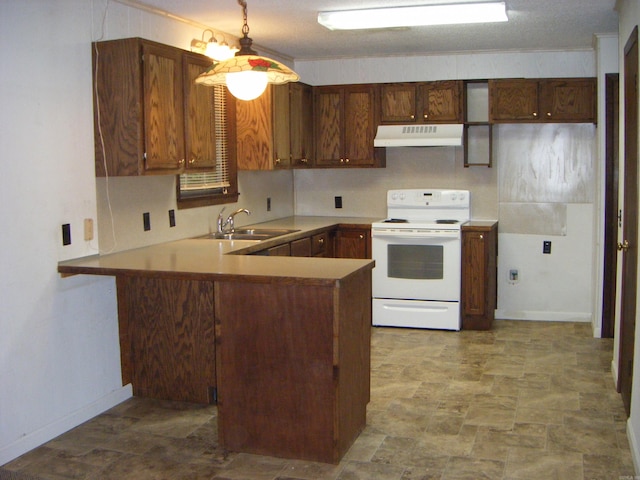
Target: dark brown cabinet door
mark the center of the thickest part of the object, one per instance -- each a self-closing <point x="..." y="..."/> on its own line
<point x="301" y="124"/>
<point x="441" y="102"/>
<point x="478" y="295"/>
<point x="568" y="100"/>
<point x="353" y="243"/>
<point x="346" y="126"/>
<point x="199" y="121"/>
<point x="513" y="100"/>
<point x="399" y="103"/>
<point x="163" y="115"/>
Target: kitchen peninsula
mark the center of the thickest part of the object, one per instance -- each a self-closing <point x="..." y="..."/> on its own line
<point x="282" y="344"/>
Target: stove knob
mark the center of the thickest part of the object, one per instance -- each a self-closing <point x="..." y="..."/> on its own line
<point x="394" y="196"/>
<point x="462" y="196"/>
<point x="453" y="197"/>
<point x="402" y="196"/>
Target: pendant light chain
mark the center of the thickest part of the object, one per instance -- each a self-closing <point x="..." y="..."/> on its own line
<point x="245" y="26"/>
<point x="245" y="41"/>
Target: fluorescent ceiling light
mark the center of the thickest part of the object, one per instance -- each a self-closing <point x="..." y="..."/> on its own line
<point x="445" y="14"/>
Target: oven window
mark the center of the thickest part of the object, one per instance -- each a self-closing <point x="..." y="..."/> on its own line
<point x="422" y="262"/>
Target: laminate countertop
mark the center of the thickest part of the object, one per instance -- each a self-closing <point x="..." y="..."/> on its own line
<point x="208" y="258"/>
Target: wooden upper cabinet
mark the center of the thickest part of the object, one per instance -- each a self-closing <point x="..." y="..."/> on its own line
<point x="568" y="100"/>
<point x="424" y="102"/>
<point x="398" y="103"/>
<point x="442" y="102"/>
<point x="542" y="100"/>
<point x="200" y="123"/>
<point x="301" y="124"/>
<point x="276" y="129"/>
<point x="346" y="126"/>
<point x="147" y="113"/>
<point x="513" y="100"/>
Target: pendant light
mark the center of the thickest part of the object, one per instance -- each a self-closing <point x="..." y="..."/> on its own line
<point x="247" y="74"/>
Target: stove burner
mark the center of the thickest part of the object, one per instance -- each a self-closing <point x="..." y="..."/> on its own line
<point x="396" y="220"/>
<point x="447" y="221"/>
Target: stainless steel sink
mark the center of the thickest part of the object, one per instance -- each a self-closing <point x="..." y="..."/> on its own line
<point x="251" y="234"/>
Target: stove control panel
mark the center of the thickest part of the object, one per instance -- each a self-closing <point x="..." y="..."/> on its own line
<point x="428" y="198"/>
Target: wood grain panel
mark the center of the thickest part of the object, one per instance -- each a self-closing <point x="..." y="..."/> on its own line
<point x="117" y="63"/>
<point x="163" y="109"/>
<point x="200" y="124"/>
<point x="169" y="339"/>
<point x="276" y="370"/>
<point x="255" y="133"/>
<point x="329" y="127"/>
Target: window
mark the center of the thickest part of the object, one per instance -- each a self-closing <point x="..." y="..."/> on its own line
<point x="199" y="189"/>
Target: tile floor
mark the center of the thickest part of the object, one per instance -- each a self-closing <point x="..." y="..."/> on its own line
<point x="527" y="400"/>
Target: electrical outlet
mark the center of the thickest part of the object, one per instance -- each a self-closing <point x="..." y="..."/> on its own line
<point x="88" y="229"/>
<point x="546" y="246"/>
<point x="514" y="276"/>
<point x="268" y="204"/>
<point x="66" y="234"/>
<point x="146" y="221"/>
<point x="172" y="218"/>
<point x="338" y="202"/>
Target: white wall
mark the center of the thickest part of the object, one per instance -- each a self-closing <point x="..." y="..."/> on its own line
<point x="553" y="163"/>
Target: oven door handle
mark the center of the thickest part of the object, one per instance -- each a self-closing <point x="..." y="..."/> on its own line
<point x="452" y="235"/>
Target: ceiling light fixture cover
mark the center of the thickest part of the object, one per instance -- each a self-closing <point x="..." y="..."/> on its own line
<point x="412" y="16"/>
<point x="247" y="74"/>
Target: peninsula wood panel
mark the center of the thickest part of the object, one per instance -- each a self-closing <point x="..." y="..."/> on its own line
<point x="294" y="366"/>
<point x="167" y="337"/>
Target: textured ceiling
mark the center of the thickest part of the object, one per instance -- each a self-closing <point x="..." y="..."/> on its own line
<point x="290" y="27"/>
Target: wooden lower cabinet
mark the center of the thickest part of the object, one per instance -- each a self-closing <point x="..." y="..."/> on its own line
<point x="297" y="356"/>
<point x="479" y="276"/>
<point x="167" y="343"/>
<point x="353" y="242"/>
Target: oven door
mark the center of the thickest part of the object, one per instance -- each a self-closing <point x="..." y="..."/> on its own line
<point x="416" y="265"/>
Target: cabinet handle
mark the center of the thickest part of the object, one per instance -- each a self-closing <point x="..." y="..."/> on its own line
<point x="304" y="160"/>
<point x="181" y="163"/>
<point x="192" y="161"/>
<point x="277" y="161"/>
<point x="321" y="241"/>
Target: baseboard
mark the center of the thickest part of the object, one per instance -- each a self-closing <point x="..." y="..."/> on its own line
<point x="540" y="316"/>
<point x="34" y="439"/>
<point x="633" y="445"/>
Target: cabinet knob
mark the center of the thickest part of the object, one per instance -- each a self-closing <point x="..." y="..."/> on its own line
<point x="181" y="163"/>
<point x="277" y="161"/>
<point x="534" y="114"/>
<point x="412" y="117"/>
<point x="304" y="160"/>
<point x="548" y="114"/>
<point x="192" y="161"/>
<point x="361" y="237"/>
<point x="481" y="236"/>
<point x="346" y="160"/>
<point x="426" y="115"/>
<point x="321" y="241"/>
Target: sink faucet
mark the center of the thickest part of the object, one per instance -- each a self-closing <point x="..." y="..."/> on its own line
<point x="227" y="226"/>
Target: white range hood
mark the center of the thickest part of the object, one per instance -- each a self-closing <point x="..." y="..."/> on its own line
<point x="435" y="135"/>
